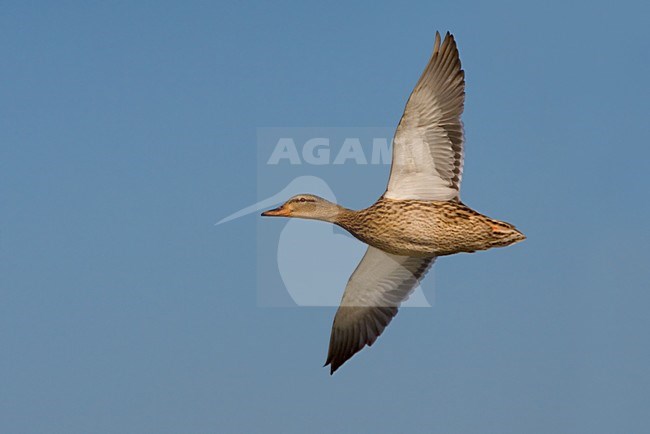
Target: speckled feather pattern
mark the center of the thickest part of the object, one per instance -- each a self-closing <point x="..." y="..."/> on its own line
<point x="426" y="228"/>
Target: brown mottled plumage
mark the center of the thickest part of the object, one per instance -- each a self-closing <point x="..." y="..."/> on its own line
<point x="426" y="228"/>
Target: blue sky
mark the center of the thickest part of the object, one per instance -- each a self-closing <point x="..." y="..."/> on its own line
<point x="128" y="128"/>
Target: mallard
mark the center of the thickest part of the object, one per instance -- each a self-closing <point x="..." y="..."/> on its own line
<point x="418" y="218"/>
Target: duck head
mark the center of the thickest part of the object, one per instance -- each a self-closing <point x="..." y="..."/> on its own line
<point x="307" y="206"/>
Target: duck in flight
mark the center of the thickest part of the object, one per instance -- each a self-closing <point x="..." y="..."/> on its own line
<point x="417" y="219"/>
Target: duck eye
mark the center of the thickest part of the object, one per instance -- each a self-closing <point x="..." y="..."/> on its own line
<point x="302" y="199"/>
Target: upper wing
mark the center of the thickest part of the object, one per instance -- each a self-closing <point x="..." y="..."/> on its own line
<point x="375" y="290"/>
<point x="428" y="144"/>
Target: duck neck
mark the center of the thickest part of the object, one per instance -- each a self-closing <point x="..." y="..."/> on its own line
<point x="344" y="217"/>
<point x="336" y="214"/>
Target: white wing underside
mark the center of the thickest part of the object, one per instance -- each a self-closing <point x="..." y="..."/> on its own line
<point x="380" y="283"/>
<point x="428" y="143"/>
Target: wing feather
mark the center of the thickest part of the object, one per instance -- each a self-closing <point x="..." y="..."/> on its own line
<point x="380" y="283"/>
<point x="428" y="144"/>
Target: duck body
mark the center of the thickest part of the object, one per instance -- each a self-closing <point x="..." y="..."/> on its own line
<point x="422" y="228"/>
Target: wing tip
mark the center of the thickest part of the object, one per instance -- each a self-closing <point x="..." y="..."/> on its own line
<point x="333" y="363"/>
<point x="341" y="349"/>
<point x="448" y="35"/>
<point x="333" y="367"/>
<point x="446" y="44"/>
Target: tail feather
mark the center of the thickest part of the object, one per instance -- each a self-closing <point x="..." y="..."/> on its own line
<point x="505" y="234"/>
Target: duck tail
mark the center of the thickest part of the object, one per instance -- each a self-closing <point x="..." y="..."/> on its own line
<point x="505" y="234"/>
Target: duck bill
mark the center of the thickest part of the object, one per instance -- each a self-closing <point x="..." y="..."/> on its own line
<point x="280" y="211"/>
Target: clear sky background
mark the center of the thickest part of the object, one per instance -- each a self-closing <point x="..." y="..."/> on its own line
<point x="128" y="128"/>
